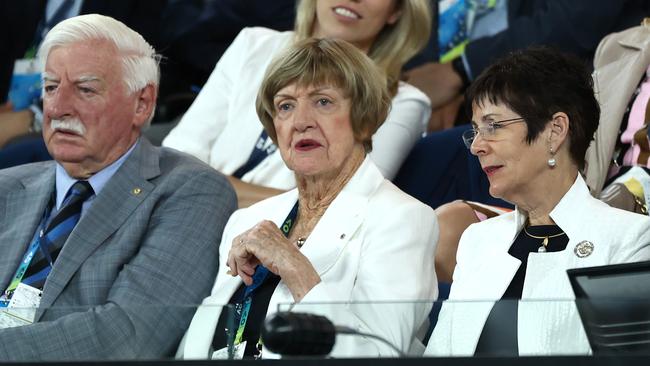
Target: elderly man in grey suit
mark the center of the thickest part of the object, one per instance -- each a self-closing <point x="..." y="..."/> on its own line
<point x="109" y="238"/>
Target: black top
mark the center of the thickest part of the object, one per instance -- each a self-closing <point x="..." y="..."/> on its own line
<point x="259" y="306"/>
<point x="499" y="335"/>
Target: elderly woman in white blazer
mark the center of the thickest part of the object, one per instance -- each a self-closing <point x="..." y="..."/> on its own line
<point x="534" y="114"/>
<point x="345" y="234"/>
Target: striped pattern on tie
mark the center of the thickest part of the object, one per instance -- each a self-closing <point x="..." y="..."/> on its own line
<point x="56" y="233"/>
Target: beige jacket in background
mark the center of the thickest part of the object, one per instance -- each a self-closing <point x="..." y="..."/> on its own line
<point x="620" y="61"/>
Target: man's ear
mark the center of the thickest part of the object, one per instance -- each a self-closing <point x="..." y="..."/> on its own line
<point x="145" y="104"/>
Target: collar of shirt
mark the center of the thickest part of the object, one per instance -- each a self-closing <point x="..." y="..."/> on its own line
<point x="97" y="180"/>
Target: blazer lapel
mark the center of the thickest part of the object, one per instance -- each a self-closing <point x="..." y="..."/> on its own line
<point x="493" y="269"/>
<point x="124" y="192"/>
<point x="335" y="229"/>
<point x="342" y="218"/>
<point x="637" y="39"/>
<point x="23" y="210"/>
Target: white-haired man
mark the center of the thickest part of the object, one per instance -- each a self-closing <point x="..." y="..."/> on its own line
<point x="105" y="240"/>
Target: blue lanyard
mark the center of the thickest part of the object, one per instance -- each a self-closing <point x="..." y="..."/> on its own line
<point x="243" y="307"/>
<point x="259" y="153"/>
<point x="35" y="245"/>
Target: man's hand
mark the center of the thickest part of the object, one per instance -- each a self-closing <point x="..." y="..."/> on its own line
<point x="14" y="124"/>
<point x="438" y="81"/>
<point x="445" y="116"/>
<point x="6" y="107"/>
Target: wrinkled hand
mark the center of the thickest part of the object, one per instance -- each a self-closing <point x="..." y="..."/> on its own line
<point x="262" y="244"/>
<point x="438" y="81"/>
<point x="265" y="244"/>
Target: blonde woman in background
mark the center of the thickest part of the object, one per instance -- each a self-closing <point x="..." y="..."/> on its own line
<point x="222" y="128"/>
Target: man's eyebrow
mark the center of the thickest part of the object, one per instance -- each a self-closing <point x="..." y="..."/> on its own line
<point x="81" y="79"/>
<point x="49" y="77"/>
<point x="87" y="78"/>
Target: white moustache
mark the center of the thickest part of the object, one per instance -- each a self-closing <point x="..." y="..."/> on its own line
<point x="73" y="125"/>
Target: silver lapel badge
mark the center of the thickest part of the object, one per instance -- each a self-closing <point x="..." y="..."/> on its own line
<point x="583" y="249"/>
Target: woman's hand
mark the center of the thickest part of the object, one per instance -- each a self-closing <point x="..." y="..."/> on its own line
<point x="265" y="244"/>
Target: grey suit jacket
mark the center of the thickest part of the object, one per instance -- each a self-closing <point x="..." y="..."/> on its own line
<point x="148" y="244"/>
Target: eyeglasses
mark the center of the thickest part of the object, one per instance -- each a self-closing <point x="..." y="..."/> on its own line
<point x="488" y="132"/>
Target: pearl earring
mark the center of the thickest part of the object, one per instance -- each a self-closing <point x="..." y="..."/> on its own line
<point x="551" y="161"/>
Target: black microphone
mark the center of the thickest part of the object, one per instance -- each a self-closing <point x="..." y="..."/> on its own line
<point x="301" y="334"/>
<point x="296" y="334"/>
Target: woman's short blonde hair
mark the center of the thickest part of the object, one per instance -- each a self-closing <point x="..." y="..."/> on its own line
<point x="394" y="45"/>
<point x="328" y="62"/>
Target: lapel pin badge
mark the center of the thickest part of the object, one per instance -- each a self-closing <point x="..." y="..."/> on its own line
<point x="583" y="249"/>
<point x="136" y="191"/>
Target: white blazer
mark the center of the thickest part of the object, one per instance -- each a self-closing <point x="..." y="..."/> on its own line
<point x="373" y="244"/>
<point x="221" y="127"/>
<point x="548" y="323"/>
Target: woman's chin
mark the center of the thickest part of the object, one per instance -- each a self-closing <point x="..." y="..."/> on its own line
<point x="307" y="172"/>
<point x="496" y="191"/>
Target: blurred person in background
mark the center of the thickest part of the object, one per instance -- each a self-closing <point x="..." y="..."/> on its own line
<point x="474" y="33"/>
<point x="222" y="128"/>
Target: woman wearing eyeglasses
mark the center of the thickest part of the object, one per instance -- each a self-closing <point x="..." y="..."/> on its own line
<point x="534" y="115"/>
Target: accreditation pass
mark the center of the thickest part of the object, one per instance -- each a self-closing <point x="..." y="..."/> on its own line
<point x="22" y="307"/>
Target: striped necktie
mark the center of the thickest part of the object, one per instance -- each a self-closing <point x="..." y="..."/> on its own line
<point x="56" y="233"/>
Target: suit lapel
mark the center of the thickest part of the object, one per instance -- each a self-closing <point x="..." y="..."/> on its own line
<point x="323" y="248"/>
<point x="492" y="269"/>
<point x="334" y="231"/>
<point x="327" y="242"/>
<point x="342" y="218"/>
<point x="124" y="192"/>
<point x="635" y="39"/>
<point x="23" y="210"/>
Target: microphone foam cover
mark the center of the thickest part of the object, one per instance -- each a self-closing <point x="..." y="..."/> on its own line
<point x="296" y="334"/>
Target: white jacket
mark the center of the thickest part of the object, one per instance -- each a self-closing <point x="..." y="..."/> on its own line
<point x="548" y="323"/>
<point x="221" y="127"/>
<point x="373" y="244"/>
